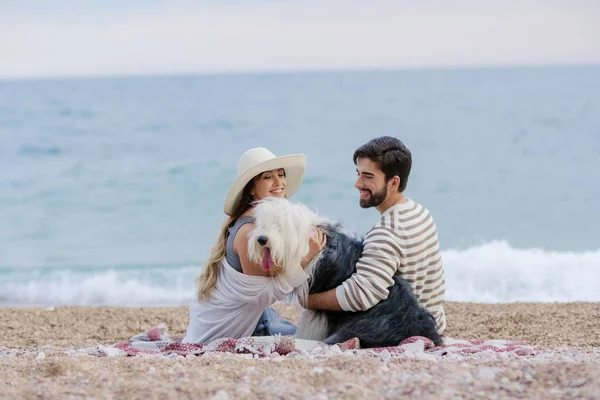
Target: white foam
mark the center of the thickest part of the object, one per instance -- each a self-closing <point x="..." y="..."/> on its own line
<point x="173" y="286"/>
<point x="491" y="273"/>
<point x="496" y="272"/>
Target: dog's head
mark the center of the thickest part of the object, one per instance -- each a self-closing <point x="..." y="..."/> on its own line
<point x="280" y="239"/>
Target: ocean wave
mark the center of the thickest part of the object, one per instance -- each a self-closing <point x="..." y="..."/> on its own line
<point x="493" y="272"/>
<point x="112" y="287"/>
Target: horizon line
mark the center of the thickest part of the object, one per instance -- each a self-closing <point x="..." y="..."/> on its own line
<point x="299" y="71"/>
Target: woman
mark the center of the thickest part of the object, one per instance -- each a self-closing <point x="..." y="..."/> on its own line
<point x="233" y="292"/>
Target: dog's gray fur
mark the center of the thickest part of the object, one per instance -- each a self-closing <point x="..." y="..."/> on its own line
<point x="387" y="323"/>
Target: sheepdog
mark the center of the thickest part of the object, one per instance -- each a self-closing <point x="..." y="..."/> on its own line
<point x="279" y="243"/>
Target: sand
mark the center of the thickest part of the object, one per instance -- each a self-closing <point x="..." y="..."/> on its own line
<point x="567" y="335"/>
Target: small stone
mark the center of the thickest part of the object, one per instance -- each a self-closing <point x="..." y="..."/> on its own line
<point x="578" y="382"/>
<point x="221" y="395"/>
<point x="40" y="356"/>
<point x="486" y="373"/>
<point x="528" y="375"/>
<point x="385" y="355"/>
<point x="513" y="375"/>
<point x="111" y="351"/>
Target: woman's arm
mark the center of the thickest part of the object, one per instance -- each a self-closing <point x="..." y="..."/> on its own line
<point x="240" y="245"/>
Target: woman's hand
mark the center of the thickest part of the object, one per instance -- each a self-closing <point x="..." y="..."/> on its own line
<point x="316" y="243"/>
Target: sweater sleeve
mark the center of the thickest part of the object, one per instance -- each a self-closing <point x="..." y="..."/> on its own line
<point x="375" y="269"/>
<point x="283" y="285"/>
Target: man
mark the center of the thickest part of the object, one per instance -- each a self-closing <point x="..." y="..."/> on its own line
<point x="404" y="241"/>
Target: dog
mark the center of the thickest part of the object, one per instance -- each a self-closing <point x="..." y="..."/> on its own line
<point x="280" y="241"/>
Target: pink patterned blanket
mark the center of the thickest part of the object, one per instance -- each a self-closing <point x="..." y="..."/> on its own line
<point x="157" y="341"/>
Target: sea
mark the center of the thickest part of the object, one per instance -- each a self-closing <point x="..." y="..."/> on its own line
<point x="112" y="188"/>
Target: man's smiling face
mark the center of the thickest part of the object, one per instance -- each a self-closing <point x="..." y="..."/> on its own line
<point x="370" y="183"/>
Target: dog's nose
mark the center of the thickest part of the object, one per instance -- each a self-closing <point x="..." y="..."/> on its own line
<point x="262" y="240"/>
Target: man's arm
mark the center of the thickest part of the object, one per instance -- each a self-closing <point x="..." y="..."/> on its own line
<point x="324" y="301"/>
<point x="369" y="284"/>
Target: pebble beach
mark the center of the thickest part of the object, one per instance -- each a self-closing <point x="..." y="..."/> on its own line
<point x="34" y="363"/>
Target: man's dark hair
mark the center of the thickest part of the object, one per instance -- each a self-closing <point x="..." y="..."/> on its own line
<point x="390" y="155"/>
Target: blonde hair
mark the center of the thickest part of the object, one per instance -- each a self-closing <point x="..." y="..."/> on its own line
<point x="207" y="280"/>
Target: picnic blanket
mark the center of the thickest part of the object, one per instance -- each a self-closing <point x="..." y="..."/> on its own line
<point x="157" y="341"/>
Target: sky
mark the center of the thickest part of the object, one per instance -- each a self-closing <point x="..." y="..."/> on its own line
<point x="63" y="38"/>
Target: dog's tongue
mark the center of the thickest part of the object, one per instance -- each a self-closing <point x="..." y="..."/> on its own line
<point x="267" y="260"/>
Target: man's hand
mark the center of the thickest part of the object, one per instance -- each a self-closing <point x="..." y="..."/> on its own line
<point x="323" y="301"/>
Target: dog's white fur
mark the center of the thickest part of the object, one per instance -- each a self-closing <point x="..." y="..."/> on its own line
<point x="288" y="227"/>
<point x="312" y="326"/>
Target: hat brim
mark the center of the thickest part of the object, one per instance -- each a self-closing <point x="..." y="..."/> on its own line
<point x="294" y="166"/>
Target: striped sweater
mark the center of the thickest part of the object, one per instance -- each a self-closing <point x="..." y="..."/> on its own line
<point x="405" y="242"/>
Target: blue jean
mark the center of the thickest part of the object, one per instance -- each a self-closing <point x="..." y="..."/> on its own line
<point x="271" y="323"/>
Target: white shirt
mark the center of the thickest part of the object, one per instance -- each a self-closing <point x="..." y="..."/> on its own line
<point x="236" y="303"/>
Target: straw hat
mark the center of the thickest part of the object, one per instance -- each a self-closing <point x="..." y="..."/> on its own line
<point x="259" y="160"/>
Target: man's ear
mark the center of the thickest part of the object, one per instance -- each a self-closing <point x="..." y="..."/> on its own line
<point x="395" y="183"/>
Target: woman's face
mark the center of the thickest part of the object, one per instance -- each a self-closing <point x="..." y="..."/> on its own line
<point x="270" y="183"/>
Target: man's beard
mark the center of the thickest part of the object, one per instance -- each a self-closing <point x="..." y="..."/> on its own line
<point x="375" y="199"/>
